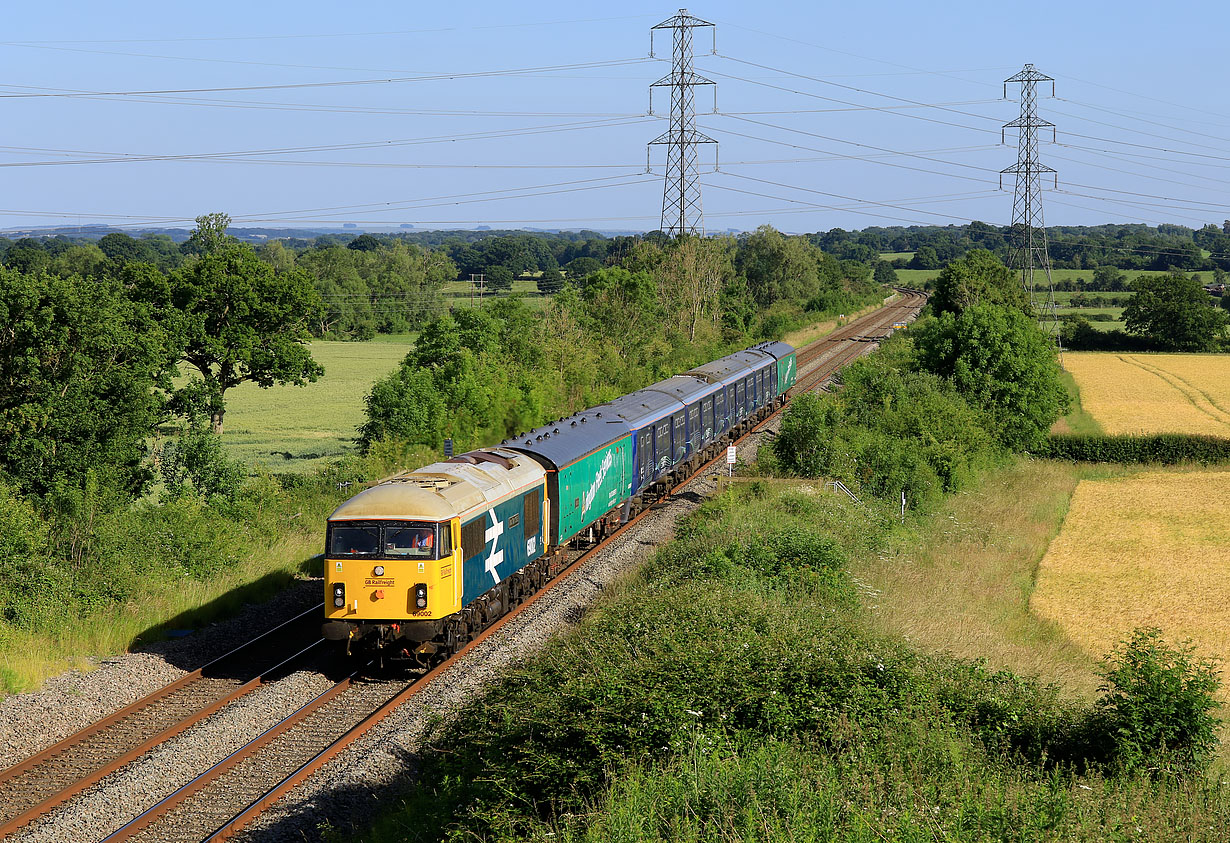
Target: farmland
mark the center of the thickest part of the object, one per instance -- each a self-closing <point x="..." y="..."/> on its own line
<point x="1154" y="393"/>
<point x="300" y="428"/>
<point x="1138" y="551"/>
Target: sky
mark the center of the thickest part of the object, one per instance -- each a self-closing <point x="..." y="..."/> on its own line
<point x="444" y="115"/>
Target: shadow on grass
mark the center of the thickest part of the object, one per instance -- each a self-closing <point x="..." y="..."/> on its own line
<point x="247" y="596"/>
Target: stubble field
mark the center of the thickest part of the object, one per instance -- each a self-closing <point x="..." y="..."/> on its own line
<point x="1154" y="393"/>
<point x="1151" y="549"/>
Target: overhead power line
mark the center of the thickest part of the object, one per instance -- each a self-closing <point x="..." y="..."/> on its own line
<point x="434" y="77"/>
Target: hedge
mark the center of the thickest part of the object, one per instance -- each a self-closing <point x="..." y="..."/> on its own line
<point x="1161" y="448"/>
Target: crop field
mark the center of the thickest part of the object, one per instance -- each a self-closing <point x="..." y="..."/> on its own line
<point x="1148" y="549"/>
<point x="1154" y="393"/>
<point x="290" y="428"/>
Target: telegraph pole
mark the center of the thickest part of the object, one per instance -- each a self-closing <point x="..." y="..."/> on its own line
<point x="1029" y="244"/>
<point x="681" y="207"/>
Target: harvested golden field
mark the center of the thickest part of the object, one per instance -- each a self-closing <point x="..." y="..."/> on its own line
<point x="1154" y="393"/>
<point x="1149" y="549"/>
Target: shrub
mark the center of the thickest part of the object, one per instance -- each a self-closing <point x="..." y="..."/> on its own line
<point x="1158" y="703"/>
<point x="195" y="462"/>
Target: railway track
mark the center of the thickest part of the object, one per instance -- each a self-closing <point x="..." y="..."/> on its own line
<point x="43" y="781"/>
<point x="819" y="360"/>
<point x="223" y="799"/>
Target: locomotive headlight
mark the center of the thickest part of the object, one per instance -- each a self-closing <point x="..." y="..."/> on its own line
<point x="378" y="571"/>
<point x="339" y="594"/>
<point x="420" y="595"/>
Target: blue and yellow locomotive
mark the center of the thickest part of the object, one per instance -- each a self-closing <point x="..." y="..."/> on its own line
<point x="421" y="562"/>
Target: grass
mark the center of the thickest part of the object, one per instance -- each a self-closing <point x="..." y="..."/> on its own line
<point x="961" y="581"/>
<point x="1077" y="422"/>
<point x="28" y="658"/>
<point x="298" y="429"/>
<point x="1154" y="393"/>
<point x="1142" y="551"/>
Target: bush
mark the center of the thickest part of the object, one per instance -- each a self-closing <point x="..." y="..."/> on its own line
<point x="1157" y="702"/>
<point x="194" y="462"/>
<point x="887" y="431"/>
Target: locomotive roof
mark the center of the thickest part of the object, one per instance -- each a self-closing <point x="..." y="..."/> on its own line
<point x="444" y="489"/>
<point x="775" y="348"/>
<point x="571" y="438"/>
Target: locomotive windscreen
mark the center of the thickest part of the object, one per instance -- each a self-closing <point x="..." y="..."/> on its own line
<point x="385" y="540"/>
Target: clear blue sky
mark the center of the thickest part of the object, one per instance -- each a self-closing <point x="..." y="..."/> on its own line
<point x="820" y="104"/>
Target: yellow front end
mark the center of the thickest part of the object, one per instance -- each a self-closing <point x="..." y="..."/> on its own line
<point x="374" y="590"/>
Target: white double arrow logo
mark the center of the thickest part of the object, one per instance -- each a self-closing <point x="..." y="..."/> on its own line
<point x="493" y="538"/>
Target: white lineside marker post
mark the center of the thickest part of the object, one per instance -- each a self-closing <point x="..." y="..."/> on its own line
<point x="903" y="506"/>
<point x="730" y="460"/>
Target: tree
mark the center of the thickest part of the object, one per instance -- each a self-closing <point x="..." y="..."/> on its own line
<point x="1158" y="702"/>
<point x="1000" y="361"/>
<point x="120" y="247"/>
<point x="977" y="278"/>
<point x="1174" y="312"/>
<point x="692" y="278"/>
<point x="346" y="311"/>
<point x="499" y="277"/>
<point x="209" y="236"/>
<point x="1108" y="278"/>
<point x="779" y="267"/>
<point x="550" y="282"/>
<point x="241" y="321"/>
<point x="79" y="367"/>
<point x="364" y="243"/>
<point x="884" y="273"/>
<point x="579" y="268"/>
<point x="925" y="258"/>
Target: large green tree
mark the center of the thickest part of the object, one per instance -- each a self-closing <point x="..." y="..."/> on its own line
<point x="241" y="321"/>
<point x="977" y="278"/>
<point x="79" y="366"/>
<point x="1175" y="312"/>
<point x="1001" y="362"/>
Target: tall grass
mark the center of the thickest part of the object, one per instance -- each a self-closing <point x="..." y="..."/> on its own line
<point x="961" y="581"/>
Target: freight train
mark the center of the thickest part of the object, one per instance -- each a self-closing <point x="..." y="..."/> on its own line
<point x="419" y="563"/>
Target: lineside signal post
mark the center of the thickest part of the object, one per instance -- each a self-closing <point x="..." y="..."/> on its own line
<point x="730" y="460"/>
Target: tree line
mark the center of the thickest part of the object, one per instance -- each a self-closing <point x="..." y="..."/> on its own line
<point x="1132" y="246"/>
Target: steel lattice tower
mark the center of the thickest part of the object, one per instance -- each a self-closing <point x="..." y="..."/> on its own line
<point x="1029" y="245"/>
<point x="681" y="207"/>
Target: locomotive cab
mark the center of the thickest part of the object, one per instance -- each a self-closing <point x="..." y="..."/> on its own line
<point x="404" y="558"/>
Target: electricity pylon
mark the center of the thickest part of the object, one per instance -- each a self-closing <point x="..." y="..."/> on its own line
<point x="681" y="207"/>
<point x="1029" y="246"/>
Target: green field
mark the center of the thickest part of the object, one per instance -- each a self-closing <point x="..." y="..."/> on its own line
<point x="291" y="428"/>
<point x="462" y="292"/>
